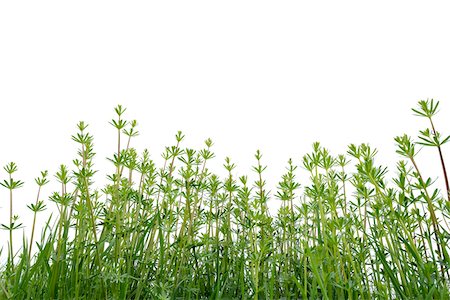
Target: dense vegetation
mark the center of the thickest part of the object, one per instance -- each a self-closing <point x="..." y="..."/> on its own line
<point x="180" y="231"/>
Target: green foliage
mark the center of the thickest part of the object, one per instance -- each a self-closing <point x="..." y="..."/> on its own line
<point x="180" y="231"/>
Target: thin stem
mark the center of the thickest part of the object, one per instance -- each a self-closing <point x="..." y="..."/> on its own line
<point x="447" y="185"/>
<point x="34" y="222"/>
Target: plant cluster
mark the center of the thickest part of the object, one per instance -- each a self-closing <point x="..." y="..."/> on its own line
<point x="180" y="231"/>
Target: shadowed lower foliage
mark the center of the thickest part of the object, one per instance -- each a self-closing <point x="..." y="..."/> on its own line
<point x="179" y="231"/>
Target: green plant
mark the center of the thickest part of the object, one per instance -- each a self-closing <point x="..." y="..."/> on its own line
<point x="180" y="231"/>
<point x="11" y="185"/>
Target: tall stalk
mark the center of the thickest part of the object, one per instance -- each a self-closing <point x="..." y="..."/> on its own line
<point x="37" y="207"/>
<point x="11" y="185"/>
<point x="428" y="109"/>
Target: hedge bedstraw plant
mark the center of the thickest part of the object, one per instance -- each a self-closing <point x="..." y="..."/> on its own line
<point x="181" y="231"/>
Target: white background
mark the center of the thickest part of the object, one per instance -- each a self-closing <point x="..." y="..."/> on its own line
<point x="268" y="75"/>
